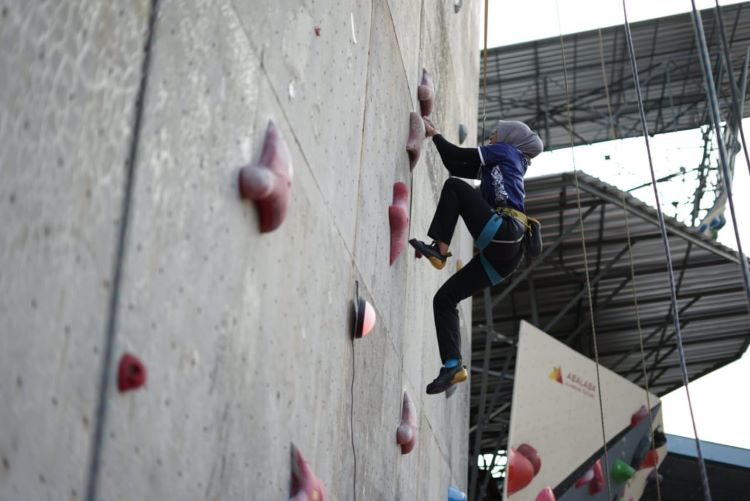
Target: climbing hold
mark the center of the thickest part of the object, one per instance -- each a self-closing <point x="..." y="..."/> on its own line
<point x="532" y="455"/>
<point x="406" y="434"/>
<point x="317" y="31"/>
<point x="597" y="484"/>
<point x="364" y="316"/>
<point x="457" y="4"/>
<point x="638" y="416"/>
<point x="546" y="494"/>
<point x="463" y="131"/>
<point x="416" y="136"/>
<point x="131" y="373"/>
<point x="651" y="459"/>
<point x="398" y="215"/>
<point x="621" y="471"/>
<point x="640" y="451"/>
<point x="305" y="485"/>
<point x="659" y="438"/>
<point x="654" y="475"/>
<point x="454" y="494"/>
<point x="425" y="94"/>
<point x="520" y="471"/>
<point x="586" y="477"/>
<point x="269" y="180"/>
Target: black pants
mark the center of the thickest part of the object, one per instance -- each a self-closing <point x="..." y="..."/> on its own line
<point x="458" y="198"/>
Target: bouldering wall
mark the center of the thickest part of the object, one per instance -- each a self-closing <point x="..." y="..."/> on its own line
<point x="124" y="232"/>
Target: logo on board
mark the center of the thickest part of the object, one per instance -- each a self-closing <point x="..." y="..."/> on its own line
<point x="573" y="380"/>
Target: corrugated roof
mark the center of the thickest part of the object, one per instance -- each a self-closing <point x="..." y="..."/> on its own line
<point x="551" y="292"/>
<point x="527" y="81"/>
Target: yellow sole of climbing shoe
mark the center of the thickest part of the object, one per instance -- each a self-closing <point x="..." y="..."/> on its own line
<point x="436" y="263"/>
<point x="459" y="377"/>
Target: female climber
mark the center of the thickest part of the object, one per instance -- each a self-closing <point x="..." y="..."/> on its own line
<point x="495" y="216"/>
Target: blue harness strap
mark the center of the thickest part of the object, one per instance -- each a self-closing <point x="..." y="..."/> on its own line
<point x="489" y="230"/>
<point x="485" y="237"/>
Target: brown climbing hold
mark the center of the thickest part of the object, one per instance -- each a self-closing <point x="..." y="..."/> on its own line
<point x="406" y="434"/>
<point x="131" y="373"/>
<point x="268" y="182"/>
<point x="398" y="215"/>
<point x="425" y="94"/>
<point x="305" y="485"/>
<point x="416" y="137"/>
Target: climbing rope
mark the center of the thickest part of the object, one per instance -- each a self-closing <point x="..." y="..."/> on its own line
<point x="583" y="247"/>
<point x="665" y="241"/>
<point x="716" y="121"/>
<point x="484" y="68"/>
<point x="613" y="136"/>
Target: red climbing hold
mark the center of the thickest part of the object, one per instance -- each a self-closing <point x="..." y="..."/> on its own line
<point x="398" y="215"/>
<point x="546" y="494"/>
<point x="305" y="485"/>
<point x="651" y="459"/>
<point x="638" y="416"/>
<point x="520" y="471"/>
<point x="269" y="181"/>
<point x="131" y="373"/>
<point x="425" y="94"/>
<point x="406" y="434"/>
<point x="317" y="31"/>
<point x="532" y="455"/>
<point x="416" y="137"/>
<point x="597" y="483"/>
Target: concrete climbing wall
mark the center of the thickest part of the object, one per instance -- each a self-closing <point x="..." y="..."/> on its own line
<point x="246" y="336"/>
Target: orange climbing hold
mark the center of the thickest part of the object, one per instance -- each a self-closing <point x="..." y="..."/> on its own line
<point x="268" y="182"/>
<point x="406" y="434"/>
<point x="131" y="373"/>
<point x="398" y="215"/>
<point x="305" y="485"/>
<point x="425" y="94"/>
<point x="416" y="138"/>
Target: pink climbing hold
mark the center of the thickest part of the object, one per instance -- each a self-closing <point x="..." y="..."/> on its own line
<point x="305" y="485"/>
<point x="425" y="94"/>
<point x="585" y="478"/>
<point x="131" y="373"/>
<point x="398" y="215"/>
<point x="532" y="455"/>
<point x="406" y="434"/>
<point x="364" y="315"/>
<point x="268" y="182"/>
<point x="638" y="416"/>
<point x="416" y="137"/>
<point x="546" y="494"/>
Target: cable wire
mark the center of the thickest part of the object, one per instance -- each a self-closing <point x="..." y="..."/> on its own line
<point x="583" y="248"/>
<point x="613" y="136"/>
<point x="665" y="241"/>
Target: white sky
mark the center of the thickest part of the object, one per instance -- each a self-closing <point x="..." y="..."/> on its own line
<point x="720" y="402"/>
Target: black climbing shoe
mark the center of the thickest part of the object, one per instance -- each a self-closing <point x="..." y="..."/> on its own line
<point x="447" y="378"/>
<point x="431" y="252"/>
